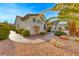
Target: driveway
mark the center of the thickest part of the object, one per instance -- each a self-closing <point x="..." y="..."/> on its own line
<point x="46" y="37"/>
<point x="31" y="39"/>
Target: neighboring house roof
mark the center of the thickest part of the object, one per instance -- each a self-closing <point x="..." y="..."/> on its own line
<point x="62" y="23"/>
<point x="53" y="20"/>
<point x="28" y="15"/>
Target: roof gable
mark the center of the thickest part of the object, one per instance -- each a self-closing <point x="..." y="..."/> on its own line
<point x="28" y="15"/>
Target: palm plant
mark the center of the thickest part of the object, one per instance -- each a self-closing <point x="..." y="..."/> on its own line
<point x="69" y="12"/>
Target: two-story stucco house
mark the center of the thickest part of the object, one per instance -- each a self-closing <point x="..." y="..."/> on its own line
<point x="33" y="22"/>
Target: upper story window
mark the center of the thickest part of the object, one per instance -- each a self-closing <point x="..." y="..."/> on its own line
<point x="38" y="21"/>
<point x="34" y="20"/>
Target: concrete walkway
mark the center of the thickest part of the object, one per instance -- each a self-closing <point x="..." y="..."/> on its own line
<point x="31" y="39"/>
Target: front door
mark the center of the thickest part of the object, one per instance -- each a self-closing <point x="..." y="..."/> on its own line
<point x="36" y="29"/>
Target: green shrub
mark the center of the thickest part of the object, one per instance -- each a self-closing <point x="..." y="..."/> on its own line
<point x="59" y="33"/>
<point x="49" y="29"/>
<point x="25" y="33"/>
<point x="42" y="33"/>
<point x="13" y="28"/>
<point x="19" y="31"/>
<point x="4" y="31"/>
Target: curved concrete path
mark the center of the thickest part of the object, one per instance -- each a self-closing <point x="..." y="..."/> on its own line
<point x="31" y="39"/>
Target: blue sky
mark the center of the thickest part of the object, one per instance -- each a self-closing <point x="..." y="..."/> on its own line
<point x="8" y="11"/>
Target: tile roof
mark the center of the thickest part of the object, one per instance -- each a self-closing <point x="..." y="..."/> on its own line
<point x="27" y="16"/>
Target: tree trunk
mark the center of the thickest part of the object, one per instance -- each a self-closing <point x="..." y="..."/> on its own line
<point x="72" y="27"/>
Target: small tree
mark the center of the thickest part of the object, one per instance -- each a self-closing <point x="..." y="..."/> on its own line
<point x="4" y="31"/>
<point x="5" y="22"/>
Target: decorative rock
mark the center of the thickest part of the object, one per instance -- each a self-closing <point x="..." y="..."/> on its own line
<point x="67" y="32"/>
<point x="64" y="37"/>
<point x="77" y="39"/>
<point x="56" y="43"/>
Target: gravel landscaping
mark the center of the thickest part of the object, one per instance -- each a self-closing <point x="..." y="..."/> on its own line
<point x="66" y="48"/>
<point x="69" y="48"/>
<point x="55" y="46"/>
<point x="7" y="48"/>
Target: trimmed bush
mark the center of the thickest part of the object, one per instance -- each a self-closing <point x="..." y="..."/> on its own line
<point x="42" y="33"/>
<point x="13" y="28"/>
<point x="19" y="31"/>
<point x="4" y="31"/>
<point x="59" y="33"/>
<point x="25" y="33"/>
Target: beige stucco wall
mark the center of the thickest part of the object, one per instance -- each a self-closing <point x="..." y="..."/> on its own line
<point x="28" y="24"/>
